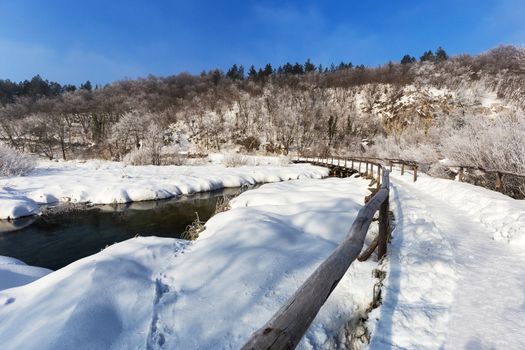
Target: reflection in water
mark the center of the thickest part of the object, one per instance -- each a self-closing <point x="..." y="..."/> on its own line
<point x="17" y="224"/>
<point x="56" y="241"/>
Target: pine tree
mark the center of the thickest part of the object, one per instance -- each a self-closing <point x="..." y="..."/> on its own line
<point x="240" y="72"/>
<point x="309" y="66"/>
<point x="441" y="54"/>
<point x="427" y="56"/>
<point x="297" y="69"/>
<point x="86" y="86"/>
<point x="268" y="70"/>
<point x="233" y="72"/>
<point x="252" y="73"/>
<point x="407" y="59"/>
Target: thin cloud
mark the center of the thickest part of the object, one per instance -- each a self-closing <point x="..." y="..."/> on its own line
<point x="19" y="61"/>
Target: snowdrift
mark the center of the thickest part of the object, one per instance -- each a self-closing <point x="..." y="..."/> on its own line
<point x="101" y="182"/>
<point x="152" y="293"/>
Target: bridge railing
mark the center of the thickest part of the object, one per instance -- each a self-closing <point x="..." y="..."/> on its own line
<point x="500" y="176"/>
<point x="288" y="325"/>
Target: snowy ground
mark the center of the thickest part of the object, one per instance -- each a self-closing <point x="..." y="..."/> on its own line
<point x="14" y="273"/>
<point x="101" y="182"/>
<point x="455" y="275"/>
<point x="456" y="269"/>
<point x="152" y="293"/>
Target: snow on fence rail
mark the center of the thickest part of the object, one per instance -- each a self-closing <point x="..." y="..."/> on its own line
<point x="288" y="325"/>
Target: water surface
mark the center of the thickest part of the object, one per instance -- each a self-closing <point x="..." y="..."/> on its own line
<point x="56" y="241"/>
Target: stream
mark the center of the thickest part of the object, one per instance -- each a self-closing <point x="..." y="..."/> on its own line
<point x="57" y="240"/>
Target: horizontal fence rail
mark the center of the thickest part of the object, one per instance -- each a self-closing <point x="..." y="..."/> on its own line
<point x="288" y="325"/>
<point x="415" y="166"/>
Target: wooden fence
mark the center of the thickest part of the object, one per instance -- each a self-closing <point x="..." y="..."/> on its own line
<point x="288" y="325"/>
<point x="358" y="164"/>
<point x="414" y="167"/>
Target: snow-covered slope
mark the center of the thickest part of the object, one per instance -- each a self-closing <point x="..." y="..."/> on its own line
<point x="101" y="182"/>
<point x="14" y="273"/>
<point x="153" y="293"/>
<point x="452" y="282"/>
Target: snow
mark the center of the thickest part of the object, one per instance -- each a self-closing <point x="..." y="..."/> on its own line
<point x="13" y="205"/>
<point x="14" y="273"/>
<point x="152" y="293"/>
<point x="488" y="99"/>
<point x="102" y="182"/>
<point x="452" y="281"/>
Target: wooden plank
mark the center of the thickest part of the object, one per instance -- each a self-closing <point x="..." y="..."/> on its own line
<point x="286" y="328"/>
<point x="402" y="168"/>
<point x="369" y="250"/>
<point x="414" y="168"/>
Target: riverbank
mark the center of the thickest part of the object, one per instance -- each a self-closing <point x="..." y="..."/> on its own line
<point x="104" y="182"/>
<point x="69" y="232"/>
<point x="150" y="292"/>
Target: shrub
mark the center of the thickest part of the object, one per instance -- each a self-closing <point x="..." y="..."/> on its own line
<point x="194" y="229"/>
<point x="140" y="156"/>
<point x="491" y="143"/>
<point x="250" y="143"/>
<point x="234" y="160"/>
<point x="15" y="163"/>
<point x="495" y="143"/>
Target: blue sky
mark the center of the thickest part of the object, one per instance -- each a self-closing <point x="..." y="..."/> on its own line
<point x="73" y="41"/>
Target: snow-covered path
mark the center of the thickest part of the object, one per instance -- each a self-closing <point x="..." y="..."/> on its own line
<point x="451" y="285"/>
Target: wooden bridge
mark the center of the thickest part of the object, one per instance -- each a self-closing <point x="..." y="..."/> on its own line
<point x="288" y="325"/>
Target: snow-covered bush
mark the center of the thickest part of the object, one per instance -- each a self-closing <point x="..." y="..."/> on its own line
<point x="234" y="160"/>
<point x="409" y="145"/>
<point x="140" y="156"/>
<point x="494" y="143"/>
<point x="268" y="160"/>
<point x="15" y="163"/>
<point x="491" y="143"/>
<point x="149" y="152"/>
<point x="171" y="155"/>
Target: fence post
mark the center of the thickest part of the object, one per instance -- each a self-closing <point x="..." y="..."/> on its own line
<point x="384" y="222"/>
<point x="402" y="168"/>
<point x="366" y="169"/>
<point x="383" y="228"/>
<point x="345" y="163"/>
<point x="461" y="175"/>
<point x="378" y="177"/>
<point x="415" y="173"/>
<point x="352" y="165"/>
<point x="391" y="166"/>
<point x="359" y="167"/>
<point x="499" y="181"/>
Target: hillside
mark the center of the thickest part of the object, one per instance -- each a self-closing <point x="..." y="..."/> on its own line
<point x="425" y="111"/>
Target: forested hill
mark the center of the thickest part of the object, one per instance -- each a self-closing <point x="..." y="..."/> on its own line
<point x="428" y="104"/>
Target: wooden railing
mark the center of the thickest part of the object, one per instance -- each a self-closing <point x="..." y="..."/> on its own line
<point x="414" y="167"/>
<point x="288" y="325"/>
<point x="363" y="163"/>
